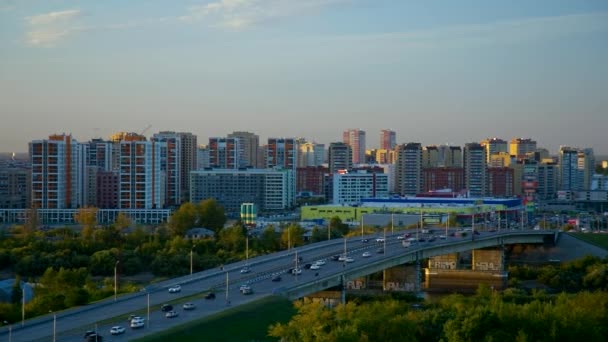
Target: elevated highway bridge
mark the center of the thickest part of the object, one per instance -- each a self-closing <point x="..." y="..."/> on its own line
<point x="69" y="325"/>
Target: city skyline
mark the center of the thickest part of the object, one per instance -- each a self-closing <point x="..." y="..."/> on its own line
<point x="433" y="73"/>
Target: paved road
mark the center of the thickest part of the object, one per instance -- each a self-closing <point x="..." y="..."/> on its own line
<point x="71" y="324"/>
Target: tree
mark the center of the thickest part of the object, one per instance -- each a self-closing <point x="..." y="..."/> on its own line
<point x="122" y="221"/>
<point x="211" y="215"/>
<point x="292" y="236"/>
<point x="183" y="219"/>
<point x="87" y="216"/>
<point x="16" y="293"/>
<point x="336" y="225"/>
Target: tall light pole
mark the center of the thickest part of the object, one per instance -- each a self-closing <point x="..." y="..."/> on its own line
<point x="191" y="254"/>
<point x="392" y="224"/>
<point x="10" y="331"/>
<point x="328" y="230"/>
<point x="23" y="305"/>
<point x="148" y="300"/>
<point x="116" y="279"/>
<point x="54" y="327"/>
<point x="361" y="225"/>
<point x="227" y="301"/>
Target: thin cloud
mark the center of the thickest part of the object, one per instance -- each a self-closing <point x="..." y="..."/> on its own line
<point x="501" y="32"/>
<point x="48" y="29"/>
<point x="242" y="14"/>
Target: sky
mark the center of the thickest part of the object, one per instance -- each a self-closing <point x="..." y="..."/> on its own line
<point x="434" y="71"/>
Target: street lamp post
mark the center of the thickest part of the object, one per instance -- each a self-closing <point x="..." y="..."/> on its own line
<point x="191" y="254"/>
<point x="328" y="230"/>
<point x="23" y="305"/>
<point x="116" y="279"/>
<point x="54" y="327"/>
<point x="10" y="331"/>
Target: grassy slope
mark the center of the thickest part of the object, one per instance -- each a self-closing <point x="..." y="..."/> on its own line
<point x="600" y="240"/>
<point x="244" y="323"/>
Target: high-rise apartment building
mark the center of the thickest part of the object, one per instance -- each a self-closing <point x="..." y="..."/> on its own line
<point x="475" y="169"/>
<point x="494" y="146"/>
<point x="141" y="174"/>
<point x="441" y="178"/>
<point x="388" y="139"/>
<point x="311" y="179"/>
<point x="547" y="180"/>
<point x="310" y="154"/>
<point x="225" y="153"/>
<point x="15" y="187"/>
<point x="282" y="153"/>
<point x="430" y="156"/>
<point x="202" y="157"/>
<point x="519" y="147"/>
<point x="355" y="138"/>
<point x="586" y="168"/>
<point x="569" y="178"/>
<point x="269" y="190"/>
<point x="180" y="160"/>
<point x="501" y="182"/>
<point x="250" y="144"/>
<point x="408" y="169"/>
<point x="58" y="173"/>
<point x="340" y="157"/>
<point x="449" y="156"/>
<point x="351" y="187"/>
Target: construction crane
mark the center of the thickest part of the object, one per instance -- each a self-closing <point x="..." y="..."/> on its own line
<point x="145" y="129"/>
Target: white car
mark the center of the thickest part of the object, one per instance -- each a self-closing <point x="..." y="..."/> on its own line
<point x="245" y="269"/>
<point x="400" y="237"/>
<point x="320" y="262"/>
<point x="244" y="286"/>
<point x="117" y="330"/>
<point x="296" y="271"/>
<point x="188" y="306"/>
<point x="380" y="240"/>
<point x="171" y="314"/>
<point x="315" y="267"/>
<point x="175" y="289"/>
<point x="342" y="258"/>
<point x="350" y="259"/>
<point x="137" y="323"/>
<point x="366" y="254"/>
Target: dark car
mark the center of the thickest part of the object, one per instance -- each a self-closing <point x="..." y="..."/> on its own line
<point x="166" y="307"/>
<point x="365" y="240"/>
<point x="276" y="277"/>
<point x="380" y="251"/>
<point x="210" y="295"/>
<point x="94" y="338"/>
<point x="335" y="257"/>
<point x="476" y="232"/>
<point x="88" y="333"/>
<point x="307" y="266"/>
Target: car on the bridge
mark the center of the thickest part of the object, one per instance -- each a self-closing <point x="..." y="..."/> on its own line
<point x="210" y="295"/>
<point x="189" y="306"/>
<point x="320" y="262"/>
<point x="166" y="307"/>
<point x="365" y="240"/>
<point x="342" y="258"/>
<point x="380" y="251"/>
<point x="245" y="289"/>
<point x="400" y="237"/>
<point x="349" y="259"/>
<point x="296" y="271"/>
<point x="366" y="254"/>
<point x="172" y="314"/>
<point x="175" y="289"/>
<point x="276" y="277"/>
<point x="315" y="267"/>
<point x="245" y="269"/>
<point x="335" y="257"/>
<point x="117" y="330"/>
<point x="95" y="337"/>
<point x="380" y="240"/>
<point x="89" y="333"/>
<point x="137" y="322"/>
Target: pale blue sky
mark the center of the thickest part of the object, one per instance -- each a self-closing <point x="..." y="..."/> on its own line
<point x="433" y="71"/>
